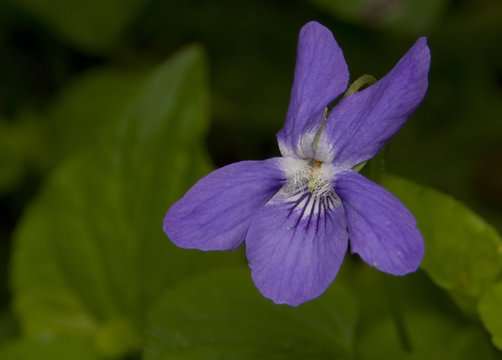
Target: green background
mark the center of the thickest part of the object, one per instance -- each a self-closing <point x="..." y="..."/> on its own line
<point x="110" y="110"/>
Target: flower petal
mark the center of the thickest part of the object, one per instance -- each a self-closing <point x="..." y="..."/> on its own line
<point x="381" y="229"/>
<point x="215" y="213"/>
<point x="321" y="75"/>
<point x="295" y="246"/>
<point x="360" y="124"/>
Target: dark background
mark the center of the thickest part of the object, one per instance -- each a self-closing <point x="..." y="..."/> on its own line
<point x="452" y="143"/>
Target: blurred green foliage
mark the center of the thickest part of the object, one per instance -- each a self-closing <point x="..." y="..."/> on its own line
<point x="20" y="144"/>
<point x="491" y="312"/>
<point x="94" y="26"/>
<point x="28" y="349"/>
<point x="208" y="317"/>
<point x="90" y="257"/>
<point x="464" y="254"/>
<point x="99" y="134"/>
<point x="409" y="16"/>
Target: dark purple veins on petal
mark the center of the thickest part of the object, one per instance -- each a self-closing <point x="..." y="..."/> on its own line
<point x="295" y="246"/>
<point x="296" y="239"/>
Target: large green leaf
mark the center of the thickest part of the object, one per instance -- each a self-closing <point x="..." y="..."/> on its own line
<point x="90" y="256"/>
<point x="463" y="254"/>
<point x="8" y="326"/>
<point x="29" y="350"/>
<point x="91" y="102"/>
<point x="222" y="315"/>
<point x="31" y="143"/>
<point x="92" y="25"/>
<point x="432" y="336"/>
<point x="20" y="148"/>
<point x="490" y="308"/>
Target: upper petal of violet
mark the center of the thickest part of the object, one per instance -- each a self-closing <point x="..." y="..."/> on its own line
<point x="361" y="123"/>
<point x="381" y="229"/>
<point x="321" y="75"/>
<point x="295" y="246"/>
<point x="215" y="213"/>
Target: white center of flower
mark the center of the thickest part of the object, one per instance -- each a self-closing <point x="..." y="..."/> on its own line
<point x="310" y="175"/>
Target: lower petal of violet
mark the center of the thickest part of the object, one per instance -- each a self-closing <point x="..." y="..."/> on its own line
<point x="215" y="213"/>
<point x="295" y="246"/>
<point x="382" y="230"/>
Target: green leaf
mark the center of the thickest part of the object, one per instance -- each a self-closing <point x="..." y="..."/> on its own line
<point x="20" y="149"/>
<point x="410" y="310"/>
<point x="92" y="25"/>
<point x="78" y="116"/>
<point x="432" y="337"/>
<point x="222" y="315"/>
<point x="463" y="254"/>
<point x="90" y="256"/>
<point x="409" y="16"/>
<point x="384" y="296"/>
<point x="490" y="309"/>
<point x="29" y="350"/>
<point x="8" y="326"/>
<point x="89" y="103"/>
<point x="30" y="144"/>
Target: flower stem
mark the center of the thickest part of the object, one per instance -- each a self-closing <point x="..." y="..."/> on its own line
<point x="359" y="83"/>
<point x="321" y="128"/>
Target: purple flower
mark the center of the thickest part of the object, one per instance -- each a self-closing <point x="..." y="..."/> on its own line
<point x="297" y="212"/>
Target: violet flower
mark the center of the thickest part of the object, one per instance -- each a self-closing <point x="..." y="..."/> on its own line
<point x="297" y="212"/>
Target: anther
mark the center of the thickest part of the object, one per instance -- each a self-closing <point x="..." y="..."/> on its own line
<point x="315" y="168"/>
